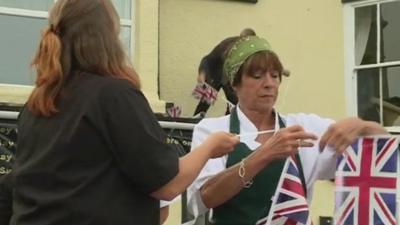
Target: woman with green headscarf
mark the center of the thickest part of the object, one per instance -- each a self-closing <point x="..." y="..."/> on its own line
<point x="239" y="187"/>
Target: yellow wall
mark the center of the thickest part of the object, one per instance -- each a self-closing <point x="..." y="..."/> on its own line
<point x="145" y="58"/>
<point x="308" y="36"/>
<point x="323" y="200"/>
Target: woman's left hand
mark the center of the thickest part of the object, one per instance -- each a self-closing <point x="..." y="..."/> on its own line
<point x="342" y="134"/>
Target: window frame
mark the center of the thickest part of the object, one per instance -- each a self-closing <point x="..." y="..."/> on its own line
<point x="17" y="93"/>
<point x="350" y="66"/>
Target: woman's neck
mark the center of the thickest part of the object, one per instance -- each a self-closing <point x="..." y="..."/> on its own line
<point x="263" y="120"/>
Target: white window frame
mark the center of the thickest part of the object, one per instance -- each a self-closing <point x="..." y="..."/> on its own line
<point x="350" y="66"/>
<point x="21" y="90"/>
<point x="45" y="15"/>
<point x="129" y="23"/>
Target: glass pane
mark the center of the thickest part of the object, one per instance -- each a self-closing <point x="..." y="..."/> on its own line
<point x="125" y="36"/>
<point x="18" y="42"/>
<point x="368" y="94"/>
<point x="390" y="25"/>
<point x="123" y="8"/>
<point x="42" y="5"/>
<point x="391" y="91"/>
<point x="365" y="35"/>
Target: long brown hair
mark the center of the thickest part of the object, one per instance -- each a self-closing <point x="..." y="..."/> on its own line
<point x="82" y="35"/>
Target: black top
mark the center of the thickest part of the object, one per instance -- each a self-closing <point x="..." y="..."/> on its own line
<point x="8" y="137"/>
<point x="95" y="162"/>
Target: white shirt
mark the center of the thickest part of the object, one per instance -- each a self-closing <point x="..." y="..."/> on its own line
<point x="316" y="165"/>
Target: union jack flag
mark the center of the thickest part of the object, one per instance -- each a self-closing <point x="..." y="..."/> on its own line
<point x="289" y="206"/>
<point x="366" y="182"/>
<point x="174" y="111"/>
<point x="205" y="93"/>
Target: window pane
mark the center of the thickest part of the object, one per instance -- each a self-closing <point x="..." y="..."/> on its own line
<point x="368" y="94"/>
<point x="390" y="22"/>
<point x="18" y="42"/>
<point x="126" y="39"/>
<point x="391" y="91"/>
<point x="365" y="35"/>
<point x="42" y="5"/>
<point x="124" y="8"/>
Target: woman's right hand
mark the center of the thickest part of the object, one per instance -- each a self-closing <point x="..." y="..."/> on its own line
<point x="286" y="142"/>
<point x="220" y="143"/>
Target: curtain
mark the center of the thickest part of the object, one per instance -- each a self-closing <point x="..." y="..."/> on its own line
<point x="363" y="22"/>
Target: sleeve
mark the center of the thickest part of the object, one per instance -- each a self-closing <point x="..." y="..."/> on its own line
<point x="326" y="161"/>
<point x="316" y="165"/>
<point x="168" y="203"/>
<point x="5" y="198"/>
<point x="326" y="164"/>
<point x="165" y="203"/>
<point x="213" y="166"/>
<point x="138" y="142"/>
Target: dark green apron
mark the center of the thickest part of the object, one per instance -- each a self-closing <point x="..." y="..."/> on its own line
<point x="250" y="204"/>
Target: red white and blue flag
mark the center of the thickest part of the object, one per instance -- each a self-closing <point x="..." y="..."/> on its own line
<point x="205" y="92"/>
<point x="174" y="111"/>
<point x="366" y="178"/>
<point x="289" y="206"/>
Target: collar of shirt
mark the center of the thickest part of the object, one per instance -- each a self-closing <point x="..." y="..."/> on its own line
<point x="246" y="126"/>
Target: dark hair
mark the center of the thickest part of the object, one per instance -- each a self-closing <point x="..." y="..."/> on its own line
<point x="82" y="36"/>
<point x="260" y="61"/>
<point x="229" y="42"/>
<point x="247" y="32"/>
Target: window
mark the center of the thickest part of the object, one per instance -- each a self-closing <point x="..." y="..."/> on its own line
<point x="372" y="34"/>
<point x="20" y="25"/>
<point x="124" y="8"/>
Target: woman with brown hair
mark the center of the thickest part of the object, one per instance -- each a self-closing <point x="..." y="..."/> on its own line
<point x="90" y="150"/>
<point x="210" y="75"/>
<point x="239" y="186"/>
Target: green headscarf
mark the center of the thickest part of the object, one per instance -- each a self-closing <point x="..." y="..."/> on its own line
<point x="240" y="51"/>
